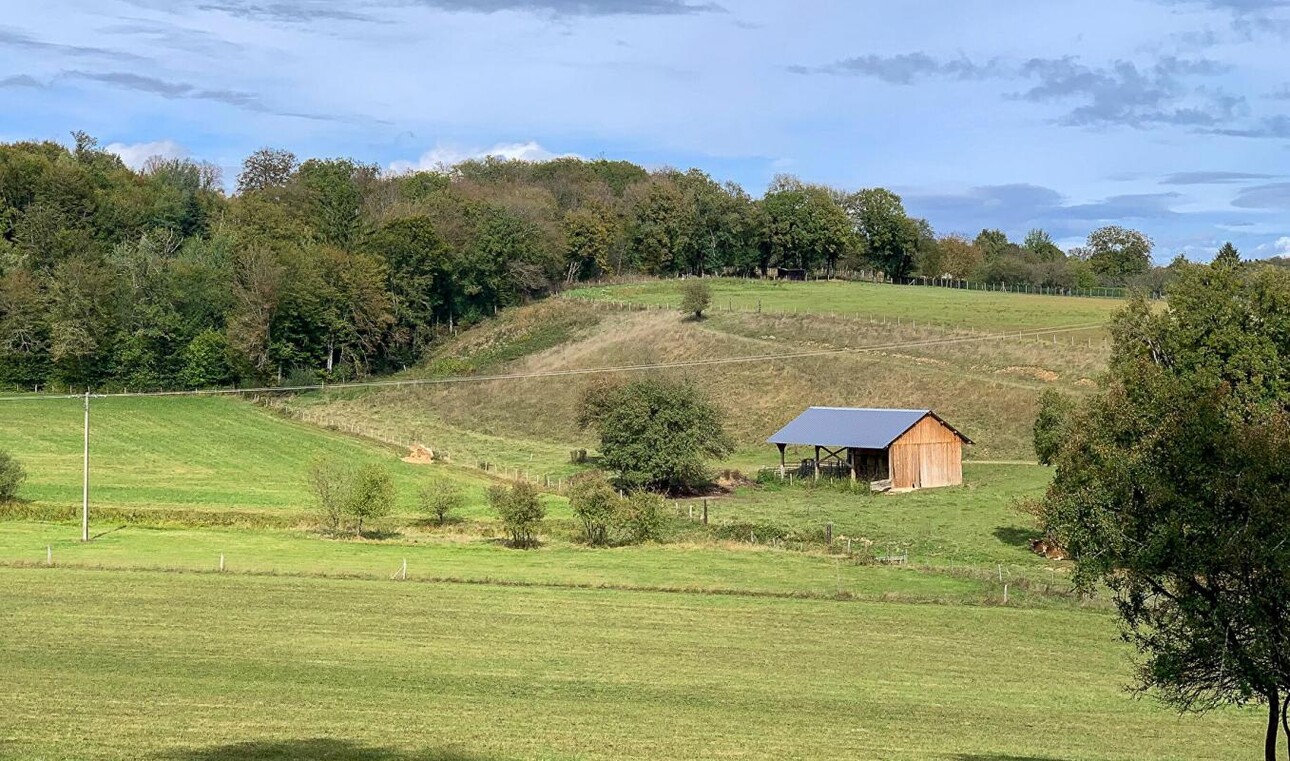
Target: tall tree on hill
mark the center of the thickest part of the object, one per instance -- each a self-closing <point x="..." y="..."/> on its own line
<point x="1116" y="253"/>
<point x="592" y="233"/>
<point x="1041" y="246"/>
<point x="1172" y="488"/>
<point x="333" y="191"/>
<point x="258" y="281"/>
<point x="417" y="265"/>
<point x="266" y="168"/>
<point x="804" y="226"/>
<point x="889" y="239"/>
<point x="661" y="227"/>
<point x="994" y="244"/>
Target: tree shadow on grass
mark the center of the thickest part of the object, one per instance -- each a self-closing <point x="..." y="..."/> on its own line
<point x="1016" y="536"/>
<point x="1001" y="757"/>
<point x="315" y="749"/>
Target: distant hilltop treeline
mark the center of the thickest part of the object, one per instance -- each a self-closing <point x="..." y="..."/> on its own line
<point x="329" y="268"/>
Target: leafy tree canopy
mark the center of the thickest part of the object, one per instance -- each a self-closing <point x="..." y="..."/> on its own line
<point x="1172" y="486"/>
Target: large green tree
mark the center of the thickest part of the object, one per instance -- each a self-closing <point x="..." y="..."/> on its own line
<point x="655" y="433"/>
<point x="1116" y="253"/>
<point x="805" y="228"/>
<point x="889" y="239"/>
<point x="1172" y="488"/>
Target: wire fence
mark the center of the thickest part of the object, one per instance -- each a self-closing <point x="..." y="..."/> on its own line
<point x="994" y="583"/>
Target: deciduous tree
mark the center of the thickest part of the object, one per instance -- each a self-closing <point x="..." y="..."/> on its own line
<point x="1172" y="487"/>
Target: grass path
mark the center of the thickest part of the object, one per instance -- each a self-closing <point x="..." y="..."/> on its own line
<point x="182" y="667"/>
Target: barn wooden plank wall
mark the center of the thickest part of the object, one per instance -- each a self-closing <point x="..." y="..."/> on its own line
<point x="929" y="454"/>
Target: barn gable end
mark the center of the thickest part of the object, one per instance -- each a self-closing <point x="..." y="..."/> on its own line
<point x="928" y="454"/>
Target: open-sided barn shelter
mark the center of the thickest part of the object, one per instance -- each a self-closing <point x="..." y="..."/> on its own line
<point x="913" y="448"/>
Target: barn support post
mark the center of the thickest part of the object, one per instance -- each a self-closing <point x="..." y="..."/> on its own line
<point x="853" y="462"/>
<point x="782" y="447"/>
<point x="817" y="463"/>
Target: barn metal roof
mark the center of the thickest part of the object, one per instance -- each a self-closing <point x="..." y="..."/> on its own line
<point x="852" y="427"/>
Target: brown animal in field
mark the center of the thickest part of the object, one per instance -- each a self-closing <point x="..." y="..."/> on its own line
<point x="1048" y="548"/>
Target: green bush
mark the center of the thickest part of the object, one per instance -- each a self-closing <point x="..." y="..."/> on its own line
<point x="696" y="296"/>
<point x="644" y="517"/>
<point x="441" y="498"/>
<point x="521" y="511"/>
<point x="596" y="506"/>
<point x="12" y="474"/>
<point x="371" y="495"/>
<point x="328" y="481"/>
<point x="1051" y="432"/>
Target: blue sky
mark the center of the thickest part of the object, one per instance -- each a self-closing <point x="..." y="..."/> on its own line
<point x="1171" y="116"/>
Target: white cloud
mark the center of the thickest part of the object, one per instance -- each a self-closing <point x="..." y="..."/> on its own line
<point x="136" y="154"/>
<point x="443" y="155"/>
<point x="1282" y="246"/>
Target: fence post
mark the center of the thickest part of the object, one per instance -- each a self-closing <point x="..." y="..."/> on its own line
<point x="705" y="512"/>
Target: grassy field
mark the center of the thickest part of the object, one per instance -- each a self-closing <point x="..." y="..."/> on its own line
<point x="196" y="453"/>
<point x="979" y="310"/>
<point x="744" y="639"/>
<point x="972" y="524"/>
<point x="720" y="567"/>
<point x="107" y="665"/>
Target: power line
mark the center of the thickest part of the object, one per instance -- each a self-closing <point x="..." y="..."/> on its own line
<point x="752" y="358"/>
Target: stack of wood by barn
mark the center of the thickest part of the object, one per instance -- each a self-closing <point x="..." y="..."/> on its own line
<point x="912" y="449"/>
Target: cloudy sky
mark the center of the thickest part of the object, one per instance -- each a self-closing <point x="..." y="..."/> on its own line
<point x="1172" y="116"/>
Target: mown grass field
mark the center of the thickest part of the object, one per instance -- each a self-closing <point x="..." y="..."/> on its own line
<point x="722" y="567"/>
<point x="188" y="667"/>
<point x="979" y="310"/>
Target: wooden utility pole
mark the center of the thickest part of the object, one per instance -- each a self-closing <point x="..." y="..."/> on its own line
<point x="85" y="477"/>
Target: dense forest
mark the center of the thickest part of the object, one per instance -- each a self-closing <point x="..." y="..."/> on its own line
<point x="331" y="269"/>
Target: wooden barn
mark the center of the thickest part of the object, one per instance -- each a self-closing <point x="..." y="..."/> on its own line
<point x="914" y="449"/>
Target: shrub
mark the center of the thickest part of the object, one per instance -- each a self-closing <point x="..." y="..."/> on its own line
<point x="596" y="506"/>
<point x="696" y="296"/>
<point x="370" y="495"/>
<point x="441" y="498"/>
<point x="12" y="474"/>
<point x="521" y="512"/>
<point x="329" y="480"/>
<point x="644" y="517"/>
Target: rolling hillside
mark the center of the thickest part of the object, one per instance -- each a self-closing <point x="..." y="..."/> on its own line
<point x="985" y="381"/>
<point x="192" y="456"/>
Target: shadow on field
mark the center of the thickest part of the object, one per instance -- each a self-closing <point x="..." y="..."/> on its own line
<point x="317" y="749"/>
<point x="1017" y="536"/>
<point x="1001" y="757"/>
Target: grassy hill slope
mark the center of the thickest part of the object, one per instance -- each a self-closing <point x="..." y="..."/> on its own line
<point x="196" y="454"/>
<point x="947" y="307"/>
<point x="986" y="383"/>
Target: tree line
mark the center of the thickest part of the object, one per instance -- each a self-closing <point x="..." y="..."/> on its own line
<point x="329" y="269"/>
